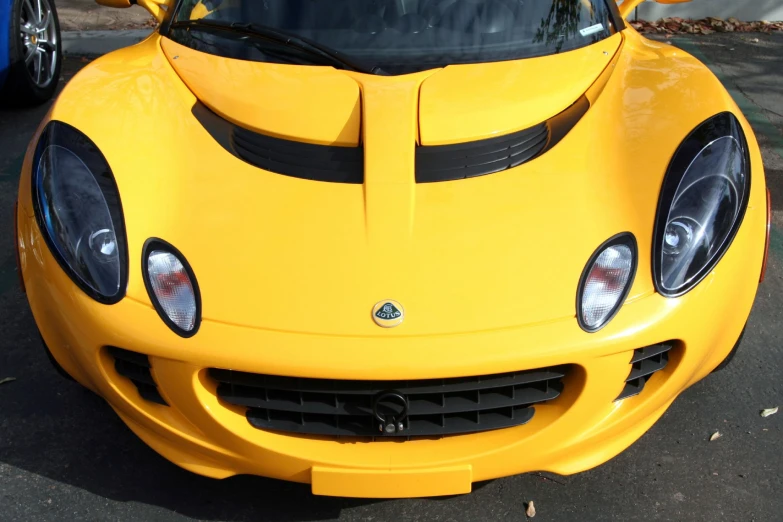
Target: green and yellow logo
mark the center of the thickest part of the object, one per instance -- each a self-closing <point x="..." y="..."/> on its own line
<point x="388" y="313"/>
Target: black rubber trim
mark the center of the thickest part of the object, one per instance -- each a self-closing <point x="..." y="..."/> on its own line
<point x="69" y="137"/>
<point x="58" y="368"/>
<point x="732" y="353"/>
<point x="159" y="244"/>
<point x="436" y="163"/>
<point x="617" y="19"/>
<point x="624" y="238"/>
<point x="719" y="126"/>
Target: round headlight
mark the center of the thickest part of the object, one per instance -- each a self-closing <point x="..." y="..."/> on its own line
<point x="704" y="196"/>
<point x="171" y="285"/>
<point x="78" y="210"/>
<point x="605" y="282"/>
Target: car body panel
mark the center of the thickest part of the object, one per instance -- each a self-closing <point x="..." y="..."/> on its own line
<point x="476" y="101"/>
<point x="476" y="245"/>
<point x="486" y="268"/>
<point x="315" y="104"/>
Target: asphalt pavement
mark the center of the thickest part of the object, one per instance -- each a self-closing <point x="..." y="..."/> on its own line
<point x="64" y="455"/>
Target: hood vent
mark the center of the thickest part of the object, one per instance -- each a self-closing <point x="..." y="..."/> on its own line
<point x="478" y="158"/>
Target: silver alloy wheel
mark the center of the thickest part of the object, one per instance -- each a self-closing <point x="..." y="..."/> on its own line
<point x="39" y="39"/>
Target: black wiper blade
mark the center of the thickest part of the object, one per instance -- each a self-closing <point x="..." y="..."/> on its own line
<point x="284" y="38"/>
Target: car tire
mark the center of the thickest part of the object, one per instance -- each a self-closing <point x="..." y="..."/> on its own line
<point x="34" y="81"/>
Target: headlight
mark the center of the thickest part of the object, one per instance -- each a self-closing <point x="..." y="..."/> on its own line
<point x="172" y="287"/>
<point x="703" y="199"/>
<point x="78" y="210"/>
<point x="606" y="281"/>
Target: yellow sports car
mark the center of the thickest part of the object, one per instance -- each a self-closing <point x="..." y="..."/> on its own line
<point x="391" y="247"/>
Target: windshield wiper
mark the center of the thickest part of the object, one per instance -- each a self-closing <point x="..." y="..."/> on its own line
<point x="285" y="38"/>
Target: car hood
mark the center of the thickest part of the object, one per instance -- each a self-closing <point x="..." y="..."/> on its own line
<point x="457" y="103"/>
<point x="496" y="251"/>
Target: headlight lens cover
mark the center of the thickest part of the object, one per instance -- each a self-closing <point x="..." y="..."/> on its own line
<point x="702" y="203"/>
<point x="172" y="287"/>
<point x="78" y="210"/>
<point x="606" y="281"/>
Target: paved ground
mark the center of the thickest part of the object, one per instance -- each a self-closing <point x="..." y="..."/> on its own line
<point x="86" y="15"/>
<point x="65" y="456"/>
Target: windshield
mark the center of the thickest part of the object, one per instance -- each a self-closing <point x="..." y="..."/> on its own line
<point x="399" y="36"/>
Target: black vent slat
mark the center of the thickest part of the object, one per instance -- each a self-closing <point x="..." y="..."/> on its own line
<point x="135" y="373"/>
<point x="344" y="408"/>
<point x="437" y="160"/>
<point x="415" y="426"/>
<point x="347" y="405"/>
<point x="137" y="368"/>
<point x="445" y="162"/>
<point x="647" y="367"/>
<point x="650" y="351"/>
<point x="644" y="363"/>
<point x="139" y="359"/>
<point x="328" y="163"/>
<point x="428" y="386"/>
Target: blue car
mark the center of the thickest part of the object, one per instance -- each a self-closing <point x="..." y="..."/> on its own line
<point x="30" y="51"/>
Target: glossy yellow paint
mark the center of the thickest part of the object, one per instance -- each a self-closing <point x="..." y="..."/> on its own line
<point x="269" y="99"/>
<point x="469" y="102"/>
<point x="157" y="8"/>
<point x="486" y="268"/>
<point x="627" y="6"/>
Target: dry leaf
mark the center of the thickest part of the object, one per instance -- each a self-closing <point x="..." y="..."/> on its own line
<point x="769" y="412"/>
<point x="704" y="26"/>
<point x="715" y="436"/>
<point x="7" y="379"/>
<point x="531" y="510"/>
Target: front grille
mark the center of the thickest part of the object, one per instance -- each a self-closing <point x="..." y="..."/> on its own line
<point x="136" y="367"/>
<point x="644" y="363"/>
<point x="436" y="407"/>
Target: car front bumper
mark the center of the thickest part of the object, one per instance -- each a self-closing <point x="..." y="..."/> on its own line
<point x="581" y="429"/>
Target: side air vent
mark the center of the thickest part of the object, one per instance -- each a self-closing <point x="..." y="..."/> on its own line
<point x="136" y="367"/>
<point x="644" y="363"/>
<point x="478" y="158"/>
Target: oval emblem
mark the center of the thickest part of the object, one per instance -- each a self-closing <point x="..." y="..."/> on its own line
<point x="388" y="313"/>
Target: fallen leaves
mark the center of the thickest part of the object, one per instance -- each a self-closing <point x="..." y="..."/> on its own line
<point x="715" y="436"/>
<point x="7" y="379"/>
<point x="531" y="510"/>
<point x="705" y="26"/>
<point x="769" y="412"/>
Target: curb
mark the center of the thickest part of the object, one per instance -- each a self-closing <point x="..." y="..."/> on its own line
<point x="96" y="43"/>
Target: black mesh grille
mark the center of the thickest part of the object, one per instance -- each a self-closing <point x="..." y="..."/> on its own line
<point x="345" y="408"/>
<point x="644" y="363"/>
<point x="299" y="160"/>
<point x="136" y="367"/>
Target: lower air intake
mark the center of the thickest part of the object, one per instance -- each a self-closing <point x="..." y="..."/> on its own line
<point x="136" y="367"/>
<point x="644" y="363"/>
<point x="435" y="407"/>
